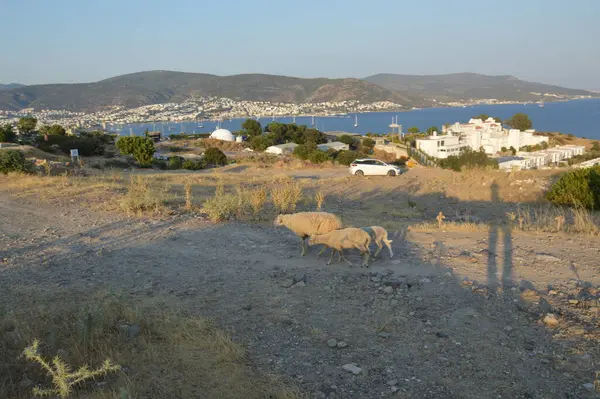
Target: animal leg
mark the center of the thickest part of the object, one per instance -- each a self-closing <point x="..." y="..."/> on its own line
<point x="366" y="260"/>
<point x="322" y="250"/>
<point x="339" y="255"/>
<point x="389" y="247"/>
<point x="331" y="257"/>
<point x="347" y="261"/>
<point x="379" y="248"/>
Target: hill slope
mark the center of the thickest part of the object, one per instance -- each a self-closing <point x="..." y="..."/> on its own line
<point x="153" y="87"/>
<point x="10" y="86"/>
<point x="465" y="86"/>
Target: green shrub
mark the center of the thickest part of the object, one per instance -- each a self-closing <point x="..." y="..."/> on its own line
<point x="214" y="156"/>
<point x="302" y="151"/>
<point x="142" y="149"/>
<point x="221" y="207"/>
<point x="175" y="163"/>
<point x="87" y="146"/>
<point x="468" y="159"/>
<point x="347" y="157"/>
<point x="159" y="164"/>
<point x="192" y="165"/>
<point x="12" y="161"/>
<point x="579" y="188"/>
<point x="318" y="156"/>
<point x="7" y="135"/>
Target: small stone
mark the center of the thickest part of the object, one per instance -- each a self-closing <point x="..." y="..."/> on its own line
<point x="300" y="277"/>
<point x="508" y="328"/>
<point x="352" y="368"/>
<point x="394" y="389"/>
<point x="300" y="284"/>
<point x="332" y="343"/>
<point x="544" y="361"/>
<point x="392" y="382"/>
<point x="544" y="306"/>
<point x="393" y="302"/>
<point x="247" y="307"/>
<point x="342" y="344"/>
<point x="546" y="258"/>
<point x="441" y="334"/>
<point x="375" y="279"/>
<point x="552" y="292"/>
<point x="384" y="334"/>
<point x="573" y="301"/>
<point x="577" y="330"/>
<point x="388" y="290"/>
<point x="589" y="386"/>
<point x="288" y="283"/>
<point x="550" y="320"/>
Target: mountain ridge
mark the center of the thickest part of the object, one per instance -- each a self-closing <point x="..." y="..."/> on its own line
<point x="161" y="86"/>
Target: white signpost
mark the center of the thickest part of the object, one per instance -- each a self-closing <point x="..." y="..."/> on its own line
<point x="74" y="156"/>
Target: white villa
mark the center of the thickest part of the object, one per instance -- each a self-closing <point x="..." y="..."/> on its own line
<point x="280" y="149"/>
<point x="476" y="134"/>
<point x="537" y="159"/>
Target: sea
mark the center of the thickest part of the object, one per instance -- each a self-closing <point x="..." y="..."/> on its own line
<point x="578" y="117"/>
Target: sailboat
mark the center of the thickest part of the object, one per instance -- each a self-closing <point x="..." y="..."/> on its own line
<point x="200" y="124"/>
<point x="294" y="119"/>
<point x="181" y="125"/>
<point x="356" y="121"/>
<point x="273" y="118"/>
<point x="313" y="121"/>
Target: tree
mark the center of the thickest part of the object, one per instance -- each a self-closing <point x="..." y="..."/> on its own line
<point x="251" y="128"/>
<point x="432" y="129"/>
<point x="7" y="135"/>
<point x="413" y="130"/>
<point x="347" y="157"/>
<point x="578" y="188"/>
<point x="367" y="144"/>
<point x="214" y="156"/>
<point x="27" y="124"/>
<point x="54" y="130"/>
<point x="595" y="146"/>
<point x="519" y="121"/>
<point x="260" y="143"/>
<point x="484" y="117"/>
<point x="347" y="139"/>
<point x="142" y="149"/>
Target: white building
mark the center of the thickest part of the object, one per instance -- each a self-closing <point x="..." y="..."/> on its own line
<point x="222" y="134"/>
<point x="333" y="145"/>
<point x="441" y="146"/>
<point x="476" y="134"/>
<point x="281" y="149"/>
<point x="538" y="159"/>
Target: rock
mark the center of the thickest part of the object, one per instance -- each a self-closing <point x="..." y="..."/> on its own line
<point x="441" y="334"/>
<point x="508" y="328"/>
<point x="544" y="306"/>
<point x="589" y="386"/>
<point x="392" y="283"/>
<point x="388" y="290"/>
<point x="425" y="280"/>
<point x="352" y="368"/>
<point x="384" y="334"/>
<point x="392" y="382"/>
<point x="542" y="257"/>
<point x="247" y="307"/>
<point x="552" y="292"/>
<point x="332" y="343"/>
<point x="577" y="330"/>
<point x="133" y="331"/>
<point x="288" y="283"/>
<point x="300" y="277"/>
<point x="393" y="302"/>
<point x="341" y="344"/>
<point x="300" y="284"/>
<point x="573" y="301"/>
<point x="375" y="279"/>
<point x="550" y="320"/>
<point x="544" y="361"/>
<point x="394" y="389"/>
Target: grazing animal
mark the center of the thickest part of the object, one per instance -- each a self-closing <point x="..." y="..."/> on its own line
<point x="306" y="224"/>
<point x="379" y="235"/>
<point x="338" y="240"/>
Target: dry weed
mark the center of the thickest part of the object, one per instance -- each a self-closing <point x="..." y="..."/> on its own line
<point x="141" y="197"/>
<point x="286" y="196"/>
<point x="188" y="194"/>
<point x="319" y="199"/>
<point x="257" y="199"/>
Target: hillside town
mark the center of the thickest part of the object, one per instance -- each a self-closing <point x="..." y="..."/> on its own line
<point x="204" y="108"/>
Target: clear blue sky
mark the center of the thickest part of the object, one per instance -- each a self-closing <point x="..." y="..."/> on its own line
<point x="55" y="41"/>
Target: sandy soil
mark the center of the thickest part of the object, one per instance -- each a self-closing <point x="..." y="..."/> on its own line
<point x="412" y="324"/>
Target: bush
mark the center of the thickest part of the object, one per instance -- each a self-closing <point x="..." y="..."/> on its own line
<point x="214" y="156"/>
<point x="347" y="139"/>
<point x="318" y="156"/>
<point x="175" y="163"/>
<point x="12" y="161"/>
<point x="7" y="135"/>
<point x="286" y="196"/>
<point x="260" y="143"/>
<point x="142" y="149"/>
<point x="87" y="147"/>
<point x="221" y="207"/>
<point x="468" y="159"/>
<point x="579" y="188"/>
<point x="159" y="164"/>
<point x="192" y="165"/>
<point x="302" y="152"/>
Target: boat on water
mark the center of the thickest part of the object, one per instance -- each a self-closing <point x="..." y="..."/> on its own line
<point x="541" y="105"/>
<point x="356" y="120"/>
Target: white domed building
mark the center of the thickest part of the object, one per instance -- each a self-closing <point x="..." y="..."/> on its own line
<point x="222" y="134"/>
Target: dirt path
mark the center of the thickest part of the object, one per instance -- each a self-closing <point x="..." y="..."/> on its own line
<point x="410" y="324"/>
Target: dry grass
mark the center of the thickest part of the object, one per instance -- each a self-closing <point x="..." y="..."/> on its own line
<point x="257" y="198"/>
<point x="171" y="355"/>
<point x="544" y="219"/>
<point x="285" y="196"/>
<point x="143" y="197"/>
<point x="188" y="194"/>
<point x="449" y="226"/>
<point x="319" y="199"/>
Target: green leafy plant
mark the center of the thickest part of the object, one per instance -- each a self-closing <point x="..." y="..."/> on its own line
<point x="347" y="157"/>
<point x="63" y="379"/>
<point x="142" y="149"/>
<point x="578" y="188"/>
<point x="12" y="161"/>
<point x="214" y="156"/>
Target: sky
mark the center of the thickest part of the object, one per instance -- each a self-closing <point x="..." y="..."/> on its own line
<point x="68" y="41"/>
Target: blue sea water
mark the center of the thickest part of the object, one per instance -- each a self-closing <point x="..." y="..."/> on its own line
<point x="578" y="117"/>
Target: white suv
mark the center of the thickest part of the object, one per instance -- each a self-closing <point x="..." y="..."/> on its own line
<point x="373" y="167"/>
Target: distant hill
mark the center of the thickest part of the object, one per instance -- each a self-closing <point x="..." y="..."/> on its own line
<point x="467" y="86"/>
<point x="154" y="87"/>
<point x="10" y="86"/>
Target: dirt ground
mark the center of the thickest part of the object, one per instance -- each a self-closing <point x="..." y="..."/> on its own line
<point x="453" y="315"/>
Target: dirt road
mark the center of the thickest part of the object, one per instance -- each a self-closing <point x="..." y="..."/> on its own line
<point x="411" y="326"/>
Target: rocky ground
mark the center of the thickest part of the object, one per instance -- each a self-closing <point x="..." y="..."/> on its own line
<point x="452" y="315"/>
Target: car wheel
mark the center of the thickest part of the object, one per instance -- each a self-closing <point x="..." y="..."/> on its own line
<point x="392" y="173"/>
<point x="359" y="173"/>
